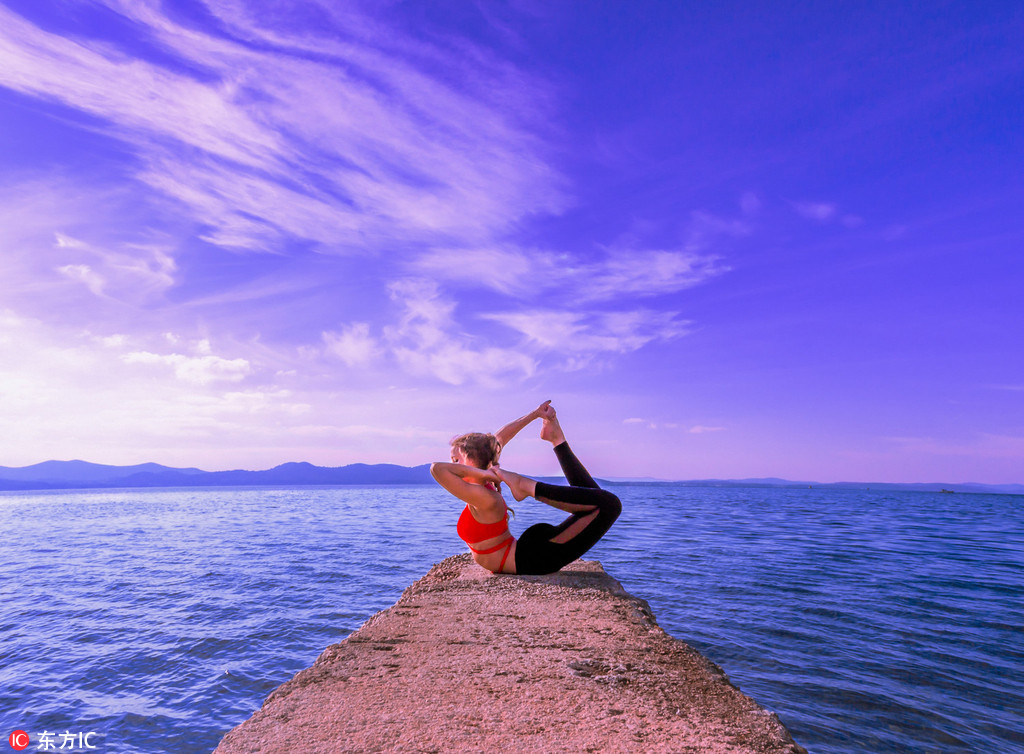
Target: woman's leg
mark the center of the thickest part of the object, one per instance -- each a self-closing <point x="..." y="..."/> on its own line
<point x="598" y="511"/>
<point x="544" y="548"/>
<point x="574" y="472"/>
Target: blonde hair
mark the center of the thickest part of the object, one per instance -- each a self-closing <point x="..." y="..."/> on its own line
<point x="481" y="449"/>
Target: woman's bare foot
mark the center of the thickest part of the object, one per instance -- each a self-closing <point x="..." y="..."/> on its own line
<point x="550" y="429"/>
<point x="520" y="486"/>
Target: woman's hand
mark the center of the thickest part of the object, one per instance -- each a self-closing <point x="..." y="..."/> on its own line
<point x="510" y="430"/>
<point x="469" y="473"/>
<point x="467" y="483"/>
<point x="487" y="476"/>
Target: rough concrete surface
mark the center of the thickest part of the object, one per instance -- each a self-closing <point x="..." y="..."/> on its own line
<point x="469" y="661"/>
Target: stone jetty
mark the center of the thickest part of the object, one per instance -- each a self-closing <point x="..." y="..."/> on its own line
<point x="469" y="661"/>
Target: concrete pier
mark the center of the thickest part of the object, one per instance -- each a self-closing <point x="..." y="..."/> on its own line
<point x="469" y="661"/>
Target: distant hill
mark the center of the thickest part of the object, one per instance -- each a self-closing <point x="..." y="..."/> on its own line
<point x="51" y="475"/>
<point x="84" y="475"/>
<point x="83" y="471"/>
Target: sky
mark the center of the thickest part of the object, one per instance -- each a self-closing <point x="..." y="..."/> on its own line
<point x="728" y="240"/>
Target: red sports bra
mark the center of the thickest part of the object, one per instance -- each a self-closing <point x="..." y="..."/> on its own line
<point x="470" y="530"/>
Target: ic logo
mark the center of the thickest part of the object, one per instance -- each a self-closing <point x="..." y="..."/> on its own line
<point x="18" y="740"/>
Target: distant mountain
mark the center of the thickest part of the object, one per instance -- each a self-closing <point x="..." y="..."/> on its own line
<point x="83" y="475"/>
<point x="759" y="482"/>
<point x="631" y="479"/>
<point x="83" y="471"/>
<point x="289" y="474"/>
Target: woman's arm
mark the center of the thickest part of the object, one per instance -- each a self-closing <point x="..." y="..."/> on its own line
<point x="453" y="476"/>
<point x="511" y="429"/>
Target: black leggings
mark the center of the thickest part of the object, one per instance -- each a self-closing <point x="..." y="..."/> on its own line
<point x="535" y="552"/>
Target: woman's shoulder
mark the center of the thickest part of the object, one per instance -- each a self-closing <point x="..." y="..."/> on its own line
<point x="490" y="502"/>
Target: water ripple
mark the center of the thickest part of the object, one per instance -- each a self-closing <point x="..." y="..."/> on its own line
<point x="882" y="622"/>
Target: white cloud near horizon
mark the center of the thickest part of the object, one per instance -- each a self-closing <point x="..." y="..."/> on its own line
<point x="65" y="395"/>
<point x="200" y="370"/>
<point x="697" y="429"/>
<point x="111" y="398"/>
<point x="58" y="388"/>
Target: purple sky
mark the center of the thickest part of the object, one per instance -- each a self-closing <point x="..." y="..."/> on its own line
<point x="727" y="240"/>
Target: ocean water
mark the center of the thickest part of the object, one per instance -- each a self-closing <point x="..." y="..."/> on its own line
<point x="157" y="620"/>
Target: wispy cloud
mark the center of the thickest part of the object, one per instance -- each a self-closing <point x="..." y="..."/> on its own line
<point x="58" y="387"/>
<point x="86" y="275"/>
<point x="53" y="229"/>
<point x="363" y="431"/>
<point x="820" y="211"/>
<point x="570" y="341"/>
<point x="628" y="272"/>
<point x="427" y="342"/>
<point x="592" y="333"/>
<point x="274" y="136"/>
<point x="201" y="370"/>
<point x="508" y="270"/>
<point x="179" y="400"/>
<point x="136" y="272"/>
<point x="424" y="339"/>
<point x="353" y="345"/>
<point x="652" y="424"/>
<point x="431" y="335"/>
<point x="427" y="338"/>
<point x="610" y="274"/>
<point x="647" y="423"/>
<point x="826" y="212"/>
<point x="350" y="147"/>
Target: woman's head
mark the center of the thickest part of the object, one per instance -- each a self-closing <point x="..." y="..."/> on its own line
<point x="479" y="449"/>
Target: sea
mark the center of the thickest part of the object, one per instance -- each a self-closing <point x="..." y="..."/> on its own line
<point x="157" y="620"/>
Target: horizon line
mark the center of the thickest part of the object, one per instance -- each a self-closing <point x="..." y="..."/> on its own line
<point x="613" y="479"/>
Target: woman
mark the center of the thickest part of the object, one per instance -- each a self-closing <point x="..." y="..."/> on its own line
<point x="474" y="477"/>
